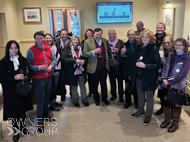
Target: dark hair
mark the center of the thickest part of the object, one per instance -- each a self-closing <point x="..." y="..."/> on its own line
<point x="184" y="42"/>
<point x="38" y="33"/>
<point x="64" y="30"/>
<point x="87" y="31"/>
<point x="162" y="24"/>
<point x="8" y="46"/>
<point x="48" y="34"/>
<point x="97" y="30"/>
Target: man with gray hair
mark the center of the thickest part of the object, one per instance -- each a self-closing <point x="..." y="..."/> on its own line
<point x="127" y="58"/>
<point x="140" y="27"/>
<point x="116" y="69"/>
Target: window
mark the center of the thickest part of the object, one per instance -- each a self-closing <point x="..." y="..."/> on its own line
<point x="75" y="22"/>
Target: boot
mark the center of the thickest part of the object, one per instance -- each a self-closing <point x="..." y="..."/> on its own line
<point x="167" y="114"/>
<point x="176" y="117"/>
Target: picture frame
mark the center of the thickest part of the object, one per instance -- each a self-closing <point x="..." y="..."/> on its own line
<point x="32" y="15"/>
<point x="169" y="19"/>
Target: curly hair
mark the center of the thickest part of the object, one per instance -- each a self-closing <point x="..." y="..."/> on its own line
<point x="150" y="34"/>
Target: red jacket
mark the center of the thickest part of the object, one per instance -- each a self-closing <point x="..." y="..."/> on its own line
<point x="41" y="57"/>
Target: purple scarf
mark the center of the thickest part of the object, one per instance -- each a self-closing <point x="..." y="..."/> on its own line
<point x="78" y="68"/>
<point x="112" y="43"/>
<point x="62" y="44"/>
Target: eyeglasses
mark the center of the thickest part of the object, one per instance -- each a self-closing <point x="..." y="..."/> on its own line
<point x="166" y="42"/>
<point x="178" y="45"/>
<point x="130" y="34"/>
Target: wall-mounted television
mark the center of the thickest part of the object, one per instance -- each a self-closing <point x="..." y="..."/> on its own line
<point x="114" y="12"/>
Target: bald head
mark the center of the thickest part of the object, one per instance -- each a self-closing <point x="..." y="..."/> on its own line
<point x="112" y="34"/>
<point x="140" y="26"/>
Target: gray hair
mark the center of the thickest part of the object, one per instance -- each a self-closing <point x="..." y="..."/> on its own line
<point x="73" y="37"/>
<point x="140" y="22"/>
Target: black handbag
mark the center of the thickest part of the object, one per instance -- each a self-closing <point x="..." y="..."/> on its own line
<point x="175" y="97"/>
<point x="23" y="87"/>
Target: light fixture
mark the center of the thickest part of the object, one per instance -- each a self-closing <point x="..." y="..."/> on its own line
<point x="74" y="12"/>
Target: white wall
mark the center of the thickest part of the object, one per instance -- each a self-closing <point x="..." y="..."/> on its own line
<point x="179" y="6"/>
<point x="186" y="27"/>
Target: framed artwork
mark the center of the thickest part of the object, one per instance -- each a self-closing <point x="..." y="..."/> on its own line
<point x="32" y="15"/>
<point x="168" y="19"/>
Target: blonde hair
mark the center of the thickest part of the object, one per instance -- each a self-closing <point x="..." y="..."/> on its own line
<point x="150" y="34"/>
<point x="171" y="40"/>
<point x="72" y="38"/>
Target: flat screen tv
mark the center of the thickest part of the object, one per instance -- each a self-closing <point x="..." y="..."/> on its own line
<point x="116" y="12"/>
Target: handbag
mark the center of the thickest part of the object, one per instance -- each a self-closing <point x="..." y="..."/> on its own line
<point x="175" y="97"/>
<point x="23" y="87"/>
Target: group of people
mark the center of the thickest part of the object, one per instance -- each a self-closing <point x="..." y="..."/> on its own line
<point x="146" y="61"/>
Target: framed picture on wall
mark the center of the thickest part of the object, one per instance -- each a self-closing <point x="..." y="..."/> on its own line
<point x="168" y="20"/>
<point x="32" y="15"/>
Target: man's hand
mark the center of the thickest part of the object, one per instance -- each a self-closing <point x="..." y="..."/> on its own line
<point x="18" y="77"/>
<point x="140" y="64"/>
<point x="97" y="50"/>
<point x="43" y="67"/>
<point x="123" y="51"/>
<point x="116" y="50"/>
<point x="49" y="69"/>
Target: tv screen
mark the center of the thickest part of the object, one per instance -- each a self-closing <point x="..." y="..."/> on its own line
<point x="117" y="12"/>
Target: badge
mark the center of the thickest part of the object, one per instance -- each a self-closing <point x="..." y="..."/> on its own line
<point x="177" y="70"/>
<point x="141" y="57"/>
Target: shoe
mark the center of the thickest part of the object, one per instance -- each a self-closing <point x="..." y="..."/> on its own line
<point x="15" y="138"/>
<point x="58" y="104"/>
<point x="146" y="120"/>
<point x="97" y="103"/>
<point x="113" y="98"/>
<point x="50" y="119"/>
<point x="89" y="94"/>
<point x="77" y="105"/>
<point x="160" y="111"/>
<point x="86" y="103"/>
<point x="165" y="124"/>
<point x="106" y="102"/>
<point x="121" y="100"/>
<point x="25" y="131"/>
<point x="136" y="106"/>
<point x="173" y="128"/>
<point x="137" y="114"/>
<point x="40" y="128"/>
<point x="126" y="105"/>
<point x="53" y="107"/>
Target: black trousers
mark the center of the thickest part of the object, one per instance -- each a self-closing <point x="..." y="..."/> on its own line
<point x="127" y="95"/>
<point x="53" y="91"/>
<point x="89" y="83"/>
<point x="116" y="72"/>
<point x="61" y="86"/>
<point x="96" y="77"/>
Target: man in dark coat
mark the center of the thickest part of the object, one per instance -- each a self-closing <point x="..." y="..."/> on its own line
<point x="128" y="60"/>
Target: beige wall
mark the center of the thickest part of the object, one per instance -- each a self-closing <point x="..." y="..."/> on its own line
<point x="179" y="6"/>
<point x="186" y="28"/>
<point x="88" y="16"/>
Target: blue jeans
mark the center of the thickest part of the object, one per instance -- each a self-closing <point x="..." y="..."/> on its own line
<point x="42" y="89"/>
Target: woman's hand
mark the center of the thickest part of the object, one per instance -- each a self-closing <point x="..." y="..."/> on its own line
<point x="162" y="58"/>
<point x="18" y="77"/>
<point x="165" y="82"/>
<point x="140" y="64"/>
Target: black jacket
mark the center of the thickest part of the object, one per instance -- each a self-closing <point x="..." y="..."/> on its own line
<point x="14" y="104"/>
<point x="159" y="40"/>
<point x="152" y="61"/>
<point x="129" y="60"/>
<point x="69" y="61"/>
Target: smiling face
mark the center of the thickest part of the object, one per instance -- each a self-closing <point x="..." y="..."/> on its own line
<point x="131" y="36"/>
<point x="145" y="39"/>
<point x="13" y="50"/>
<point x="75" y="42"/>
<point x="179" y="47"/>
<point x="160" y="29"/>
<point x="89" y="34"/>
<point x="64" y="35"/>
<point x="167" y="44"/>
<point x="39" y="40"/>
<point x="139" y="27"/>
<point x="112" y="35"/>
<point x="48" y="39"/>
<point x="98" y="35"/>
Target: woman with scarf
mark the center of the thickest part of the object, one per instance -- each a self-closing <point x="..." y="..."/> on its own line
<point x="74" y="70"/>
<point x="54" y="106"/>
<point x="166" y="47"/>
<point x="14" y="68"/>
<point x="174" y="74"/>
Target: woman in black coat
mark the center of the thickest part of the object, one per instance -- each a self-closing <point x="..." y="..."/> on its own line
<point x="13" y="68"/>
<point x="147" y="63"/>
<point x="74" y="70"/>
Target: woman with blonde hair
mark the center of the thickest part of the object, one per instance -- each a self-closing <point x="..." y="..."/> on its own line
<point x="147" y="63"/>
<point x="166" y="47"/>
<point x="74" y="61"/>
